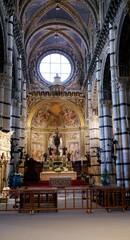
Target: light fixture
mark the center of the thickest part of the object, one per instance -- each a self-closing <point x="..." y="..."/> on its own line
<point x="56" y="35"/>
<point x="57" y="7"/>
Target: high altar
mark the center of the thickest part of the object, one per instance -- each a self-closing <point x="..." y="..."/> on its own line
<point x="51" y="174"/>
<point x="56" y="166"/>
<point x="59" y="167"/>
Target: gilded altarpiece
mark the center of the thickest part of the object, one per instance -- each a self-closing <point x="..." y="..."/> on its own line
<point x="45" y="120"/>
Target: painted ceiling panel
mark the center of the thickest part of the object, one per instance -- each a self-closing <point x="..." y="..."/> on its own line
<point x="76" y="37"/>
<point x="82" y="10"/>
<point x="54" y="14"/>
<point x="32" y="7"/>
<point x="36" y="36"/>
<point x="72" y="22"/>
<point x="54" y="40"/>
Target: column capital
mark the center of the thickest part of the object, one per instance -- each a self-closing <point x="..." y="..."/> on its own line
<point x="2" y="79"/>
<point x="105" y="102"/>
<point x="15" y="102"/>
<point x="123" y="79"/>
<point x="7" y="82"/>
<point x="122" y="82"/>
<point x="114" y="67"/>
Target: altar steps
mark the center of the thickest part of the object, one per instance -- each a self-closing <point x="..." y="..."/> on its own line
<point x="46" y="183"/>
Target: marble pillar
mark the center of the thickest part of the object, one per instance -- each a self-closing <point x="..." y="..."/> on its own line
<point x="115" y="100"/>
<point x="8" y="77"/>
<point x="124" y="134"/>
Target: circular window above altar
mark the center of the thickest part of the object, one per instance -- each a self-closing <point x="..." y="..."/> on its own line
<point x="56" y="64"/>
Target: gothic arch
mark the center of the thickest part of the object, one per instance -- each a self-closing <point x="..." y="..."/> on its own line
<point x="56" y="99"/>
<point x="107" y="80"/>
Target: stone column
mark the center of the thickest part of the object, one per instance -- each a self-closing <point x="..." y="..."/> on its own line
<point x="94" y="143"/>
<point x="23" y="117"/>
<point x="125" y="149"/>
<point x="15" y="126"/>
<point x="82" y="143"/>
<point x="8" y="78"/>
<point x="22" y="108"/>
<point x="100" y="114"/>
<point x="87" y="145"/>
<point x="89" y="121"/>
<point x="16" y="110"/>
<point x="109" y="163"/>
<point x="87" y="141"/>
<point x="93" y="135"/>
<point x="115" y="99"/>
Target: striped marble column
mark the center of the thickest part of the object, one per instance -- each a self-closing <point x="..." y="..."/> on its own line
<point x="15" y="114"/>
<point x="8" y="77"/>
<point x="94" y="143"/>
<point x="107" y="118"/>
<point x="125" y="149"/>
<point x="90" y="136"/>
<point x="87" y="143"/>
<point x="100" y="114"/>
<point x="15" y="127"/>
<point x="22" y="107"/>
<point x="89" y="115"/>
<point x="23" y="117"/>
<point x="82" y="143"/>
<point x="115" y="101"/>
<point x="93" y="135"/>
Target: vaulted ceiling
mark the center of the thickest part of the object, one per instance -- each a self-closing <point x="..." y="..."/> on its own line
<point x="63" y="25"/>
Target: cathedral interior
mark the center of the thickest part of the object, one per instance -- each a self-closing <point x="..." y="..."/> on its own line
<point x="65" y="72"/>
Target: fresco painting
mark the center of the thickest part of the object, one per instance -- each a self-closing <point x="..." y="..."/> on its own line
<point x="55" y="114"/>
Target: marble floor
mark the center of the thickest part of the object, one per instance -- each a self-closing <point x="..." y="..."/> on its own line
<point x="65" y="225"/>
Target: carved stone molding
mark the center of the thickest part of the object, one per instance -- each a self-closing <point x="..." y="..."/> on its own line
<point x="105" y="102"/>
<point x="123" y="82"/>
<point x="2" y="79"/>
<point x="36" y="97"/>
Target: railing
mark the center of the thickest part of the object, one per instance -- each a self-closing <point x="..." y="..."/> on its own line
<point x="107" y="198"/>
<point x="127" y="198"/>
<point x="55" y="199"/>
